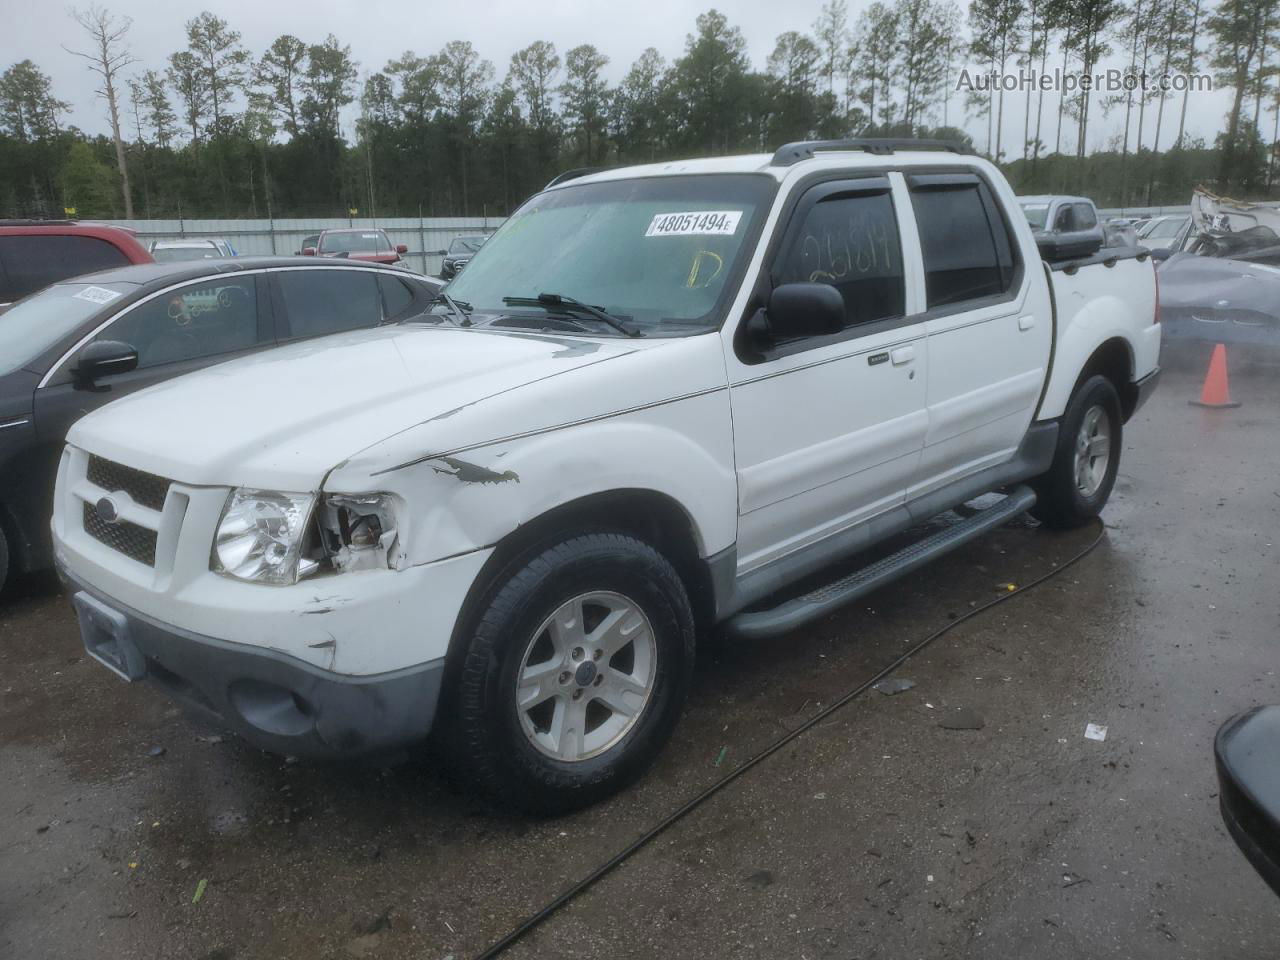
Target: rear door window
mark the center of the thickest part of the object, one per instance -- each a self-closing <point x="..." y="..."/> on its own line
<point x="964" y="239"/>
<point x="319" y="302"/>
<point x="199" y="320"/>
<point x="33" y="262"/>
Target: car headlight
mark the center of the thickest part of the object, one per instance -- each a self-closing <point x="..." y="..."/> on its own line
<point x="260" y="536"/>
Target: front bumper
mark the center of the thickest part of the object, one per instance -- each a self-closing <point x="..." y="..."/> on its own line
<point x="274" y="700"/>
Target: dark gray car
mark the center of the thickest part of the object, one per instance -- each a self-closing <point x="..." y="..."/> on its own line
<point x="459" y="254"/>
<point x="77" y="345"/>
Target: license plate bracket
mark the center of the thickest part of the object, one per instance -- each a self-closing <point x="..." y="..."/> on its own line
<point x="106" y="635"/>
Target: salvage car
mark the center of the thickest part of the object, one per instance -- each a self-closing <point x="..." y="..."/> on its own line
<point x="82" y="343"/>
<point x="507" y="521"/>
<point x="1256" y="244"/>
<point x="370" y="245"/>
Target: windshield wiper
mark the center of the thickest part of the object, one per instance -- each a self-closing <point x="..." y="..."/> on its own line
<point x="570" y="305"/>
<point x="459" y="308"/>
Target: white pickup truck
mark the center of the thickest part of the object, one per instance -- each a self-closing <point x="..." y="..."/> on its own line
<point x="508" y="519"/>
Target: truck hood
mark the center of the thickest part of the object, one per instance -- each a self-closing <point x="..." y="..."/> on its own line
<point x="283" y="418"/>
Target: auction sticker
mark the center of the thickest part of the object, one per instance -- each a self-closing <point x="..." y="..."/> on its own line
<point x="701" y="223"/>
<point x="96" y="295"/>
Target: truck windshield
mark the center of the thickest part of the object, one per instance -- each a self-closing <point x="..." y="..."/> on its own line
<point x="1036" y="213"/>
<point x="42" y="319"/>
<point x="657" y="250"/>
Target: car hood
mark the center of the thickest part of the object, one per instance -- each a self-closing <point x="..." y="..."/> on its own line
<point x="284" y="418"/>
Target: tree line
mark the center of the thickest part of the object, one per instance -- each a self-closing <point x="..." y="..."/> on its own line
<point x="219" y="130"/>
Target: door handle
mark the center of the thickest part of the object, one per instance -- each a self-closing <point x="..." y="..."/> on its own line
<point x="1026" y="323"/>
<point x="902" y="355"/>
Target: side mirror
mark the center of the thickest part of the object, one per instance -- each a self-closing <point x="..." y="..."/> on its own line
<point x="1161" y="253"/>
<point x="402" y="248"/>
<point x="103" y="358"/>
<point x="805" y="310"/>
<point x="1072" y="247"/>
<point x="308" y="251"/>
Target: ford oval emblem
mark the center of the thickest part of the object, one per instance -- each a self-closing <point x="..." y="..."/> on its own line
<point x="107" y="510"/>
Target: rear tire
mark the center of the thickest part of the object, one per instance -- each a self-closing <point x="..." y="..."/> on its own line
<point x="1078" y="483"/>
<point x="574" y="674"/>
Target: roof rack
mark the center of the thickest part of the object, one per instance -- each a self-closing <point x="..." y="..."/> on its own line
<point x="790" y="153"/>
<point x="572" y="175"/>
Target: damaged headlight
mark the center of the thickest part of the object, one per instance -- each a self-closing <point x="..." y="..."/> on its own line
<point x="357" y="531"/>
<point x="260" y="536"/>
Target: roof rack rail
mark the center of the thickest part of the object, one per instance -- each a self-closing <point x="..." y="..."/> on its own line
<point x="572" y="175"/>
<point x="790" y="153"/>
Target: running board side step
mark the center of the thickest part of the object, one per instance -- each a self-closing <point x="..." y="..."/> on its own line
<point x="819" y="602"/>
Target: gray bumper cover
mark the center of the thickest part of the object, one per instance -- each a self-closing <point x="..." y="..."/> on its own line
<point x="274" y="700"/>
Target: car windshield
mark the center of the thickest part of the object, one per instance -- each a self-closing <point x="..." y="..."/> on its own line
<point x="1036" y="213"/>
<point x="654" y="250"/>
<point x="356" y="241"/>
<point x="466" y="244"/>
<point x="175" y="254"/>
<point x="35" y="324"/>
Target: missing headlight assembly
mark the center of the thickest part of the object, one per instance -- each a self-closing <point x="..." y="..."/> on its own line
<point x="357" y="531"/>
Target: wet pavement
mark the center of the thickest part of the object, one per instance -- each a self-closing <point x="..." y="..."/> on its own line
<point x="878" y="833"/>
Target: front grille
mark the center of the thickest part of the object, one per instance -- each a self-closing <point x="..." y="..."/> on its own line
<point x="145" y="488"/>
<point x="133" y="541"/>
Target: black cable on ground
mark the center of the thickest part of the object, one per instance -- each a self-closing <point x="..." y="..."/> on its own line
<point x="672" y="818"/>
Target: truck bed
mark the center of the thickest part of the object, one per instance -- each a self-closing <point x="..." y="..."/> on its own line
<point x="1096" y="299"/>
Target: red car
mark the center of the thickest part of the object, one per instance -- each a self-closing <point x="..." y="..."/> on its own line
<point x="357" y="243"/>
<point x="36" y="253"/>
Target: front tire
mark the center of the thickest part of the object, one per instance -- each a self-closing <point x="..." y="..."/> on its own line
<point x="574" y="674"/>
<point x="1078" y="483"/>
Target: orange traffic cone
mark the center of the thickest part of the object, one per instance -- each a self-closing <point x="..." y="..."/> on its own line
<point x="1216" y="392"/>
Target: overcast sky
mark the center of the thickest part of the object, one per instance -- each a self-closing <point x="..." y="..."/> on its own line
<point x="378" y="30"/>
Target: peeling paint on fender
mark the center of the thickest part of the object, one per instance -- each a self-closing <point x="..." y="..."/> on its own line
<point x="469" y="472"/>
